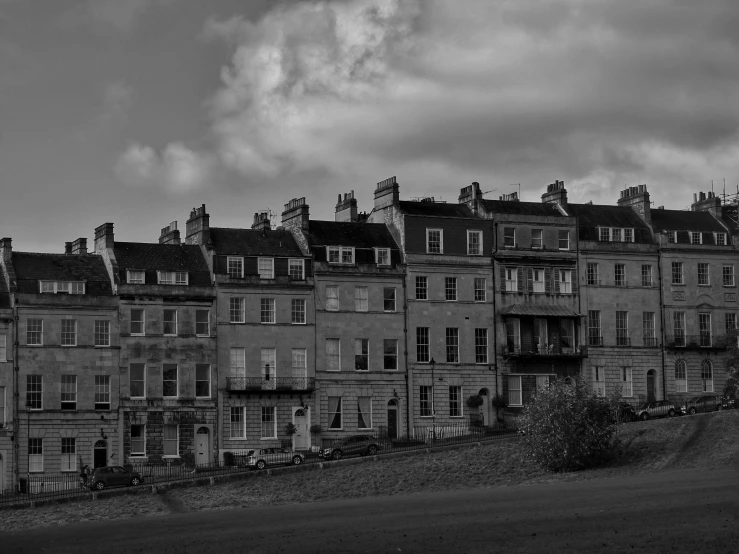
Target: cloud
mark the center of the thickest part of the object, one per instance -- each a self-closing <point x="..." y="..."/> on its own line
<point x="178" y="169"/>
<point x="119" y="14"/>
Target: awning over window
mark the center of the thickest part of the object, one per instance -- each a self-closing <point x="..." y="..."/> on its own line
<point x="539" y="311"/>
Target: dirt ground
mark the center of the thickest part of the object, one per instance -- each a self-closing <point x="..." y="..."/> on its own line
<point x="707" y="441"/>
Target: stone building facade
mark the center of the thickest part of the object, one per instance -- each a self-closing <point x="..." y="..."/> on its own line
<point x="8" y="405"/>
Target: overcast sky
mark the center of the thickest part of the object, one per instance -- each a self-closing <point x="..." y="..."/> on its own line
<point x="135" y="111"/>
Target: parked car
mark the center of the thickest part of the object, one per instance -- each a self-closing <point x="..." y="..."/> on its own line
<point x="356" y="444"/>
<point x="657" y="408"/>
<point x="102" y="477"/>
<point x="701" y="404"/>
<point x="273" y="457"/>
<point x="624" y="412"/>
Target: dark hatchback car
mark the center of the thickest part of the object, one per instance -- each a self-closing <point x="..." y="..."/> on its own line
<point x="657" y="408"/>
<point x="113" y="476"/>
<point x="701" y="404"/>
<point x="356" y="444"/>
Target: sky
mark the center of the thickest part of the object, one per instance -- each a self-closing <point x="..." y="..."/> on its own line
<point x="135" y="111"/>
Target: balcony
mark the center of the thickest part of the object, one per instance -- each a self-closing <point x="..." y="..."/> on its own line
<point x="698" y="342"/>
<point x="527" y="348"/>
<point x="270" y="385"/>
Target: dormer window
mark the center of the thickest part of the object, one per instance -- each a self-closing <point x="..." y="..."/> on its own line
<point x="671" y="237"/>
<point x="340" y="254"/>
<point x="696" y="238"/>
<point x="235" y="267"/>
<point x="266" y="268"/>
<point x="172" y="277"/>
<point x="135" y="277"/>
<point x="720" y="239"/>
<point x="628" y="235"/>
<point x="382" y="256"/>
<point x="615" y="234"/>
<point x="474" y="243"/>
<point x="62" y="287"/>
<point x="296" y="269"/>
<point x="509" y="237"/>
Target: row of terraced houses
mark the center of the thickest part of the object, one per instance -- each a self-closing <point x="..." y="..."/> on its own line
<point x="379" y="322"/>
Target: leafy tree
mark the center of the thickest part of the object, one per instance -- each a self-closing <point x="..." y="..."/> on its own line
<point x="566" y="428"/>
<point x="731" y="387"/>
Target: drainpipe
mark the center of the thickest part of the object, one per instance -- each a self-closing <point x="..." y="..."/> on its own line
<point x="661" y="314"/>
<point x="407" y="368"/>
<point x="16" y="394"/>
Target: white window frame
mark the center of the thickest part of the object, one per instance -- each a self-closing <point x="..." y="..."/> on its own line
<point x="102" y="333"/>
<point x="299" y="363"/>
<point x="539" y="286"/>
<point x="102" y="391"/>
<point x="66" y="335"/>
<point x="385" y="299"/>
<point x="135" y="276"/>
<point x="361" y="299"/>
<point x="359" y="352"/>
<point x="599" y="381"/>
<point x="36" y="460"/>
<point x="382" y="257"/>
<point x="237" y="307"/>
<point x="207" y="322"/>
<point x="450" y="292"/>
<point x="617" y="234"/>
<point x="172" y="278"/>
<point x="429" y="250"/>
<point x="237" y="415"/>
<point x="39" y="331"/>
<point x="68" y="392"/>
<point x="272" y="410"/>
<point x="696" y="235"/>
<point x="62" y="287"/>
<point x="560" y="239"/>
<point x="537" y="243"/>
<point x="455" y="398"/>
<point x="176" y="379"/>
<point x="565" y="284"/>
<point x="164" y="322"/>
<point x="264" y="271"/>
<point x="672" y="237"/>
<point x="629" y="234"/>
<point x="165" y="440"/>
<point x="426" y="345"/>
<point x="3" y="347"/>
<point x="627" y="383"/>
<point x="722" y="236"/>
<point x="393" y="343"/>
<point x="208" y="372"/>
<point x="359" y="412"/>
<point x="707" y="382"/>
<point x="292" y="265"/>
<point x="271" y="311"/>
<point x="143" y="380"/>
<point x="425" y="288"/>
<point x="338" y="253"/>
<point x="237" y="362"/>
<point x="301" y="313"/>
<point x="336" y="356"/>
<point x="481" y="350"/>
<point x="338" y="412"/>
<point x="474" y="249"/>
<point x="451" y="345"/>
<point x="681" y="376"/>
<point x="69" y="459"/>
<point x="3" y="404"/>
<point x="235" y="267"/>
<point x="138" y="453"/>
<point x="681" y="273"/>
<point x="731" y="282"/>
<point x="332" y="298"/>
<point x="425" y="401"/>
<point x="513" y="398"/>
<point x="604" y="234"/>
<point x="268" y="365"/>
<point x="704" y="277"/>
<point x="511" y="283"/>
<point x="142" y="321"/>
<point x="480" y="292"/>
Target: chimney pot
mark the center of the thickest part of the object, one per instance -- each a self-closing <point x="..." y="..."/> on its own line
<point x="67" y="247"/>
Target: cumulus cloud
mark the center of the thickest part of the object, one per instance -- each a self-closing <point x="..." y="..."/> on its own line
<point x="177" y="169"/>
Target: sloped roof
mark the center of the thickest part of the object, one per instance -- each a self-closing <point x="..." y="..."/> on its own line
<point x="435" y="209"/>
<point x="249" y="242"/>
<point x="521" y="208"/>
<point x="31" y="267"/>
<point x="679" y="220"/>
<point x="349" y="233"/>
<point x="162" y="257"/>
<point x="606" y="216"/>
<point x="4" y="296"/>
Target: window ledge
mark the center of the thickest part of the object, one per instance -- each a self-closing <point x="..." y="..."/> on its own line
<point x="268" y="439"/>
<point x="170" y="457"/>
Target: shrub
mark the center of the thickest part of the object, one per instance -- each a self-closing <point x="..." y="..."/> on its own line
<point x="566" y="428"/>
<point x="290" y="429"/>
<point x="475" y="401"/>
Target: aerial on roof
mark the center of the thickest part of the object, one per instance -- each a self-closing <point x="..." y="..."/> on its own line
<point x="521" y="208"/>
<point x="155" y="256"/>
<point x="250" y="242"/>
<point x="349" y="233"/>
<point x="31" y="267"/>
<point x="435" y="209"/>
<point x="678" y="220"/>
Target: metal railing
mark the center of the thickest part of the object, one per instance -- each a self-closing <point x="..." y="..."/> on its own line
<point x="703" y="340"/>
<point x="246" y="384"/>
<point x="527" y="347"/>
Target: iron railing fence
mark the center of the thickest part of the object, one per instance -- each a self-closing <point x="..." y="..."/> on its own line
<point x="703" y="340"/>
<point x="527" y="347"/>
<point x="272" y="383"/>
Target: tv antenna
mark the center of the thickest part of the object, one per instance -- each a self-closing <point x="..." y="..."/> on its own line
<point x="519" y="189"/>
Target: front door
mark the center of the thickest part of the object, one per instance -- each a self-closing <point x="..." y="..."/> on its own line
<point x="485" y="408"/>
<point x="100" y="454"/>
<point x="651" y="385"/>
<point x="202" y="446"/>
<point x="392" y="420"/>
<point x="301" y="440"/>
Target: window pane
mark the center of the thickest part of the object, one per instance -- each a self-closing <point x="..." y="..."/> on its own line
<point x="169" y="380"/>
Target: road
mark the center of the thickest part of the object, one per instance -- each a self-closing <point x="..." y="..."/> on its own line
<point x="676" y="511"/>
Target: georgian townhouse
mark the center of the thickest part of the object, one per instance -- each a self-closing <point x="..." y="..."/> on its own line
<point x="66" y="354"/>
<point x="360" y="321"/>
<point x="7" y="384"/>
<point x="620" y="297"/>
<point x="168" y="370"/>
<point x="266" y="333"/>
<point x="447" y="250"/>
<point x="698" y="266"/>
<point x="537" y="298"/>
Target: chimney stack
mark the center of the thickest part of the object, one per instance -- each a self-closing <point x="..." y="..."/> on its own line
<point x="296" y="215"/>
<point x="637" y="198"/>
<point x="346" y="209"/>
<point x="387" y="193"/>
<point x="79" y="246"/>
<point x="261" y="222"/>
<point x="6" y="249"/>
<point x="469" y="194"/>
<point x="512" y="197"/>
<point x="703" y="202"/>
<point x="170" y="234"/>
<point x="104" y="238"/>
<point x="197" y="228"/>
<point x="555" y="194"/>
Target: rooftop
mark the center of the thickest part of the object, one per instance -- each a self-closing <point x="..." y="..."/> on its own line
<point x="249" y="242"/>
<point x="679" y="220"/>
<point x="435" y="209"/>
<point x="521" y="208"/>
<point x="349" y="233"/>
<point x="31" y="267"/>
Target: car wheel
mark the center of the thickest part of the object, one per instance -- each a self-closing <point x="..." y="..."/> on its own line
<point x="644" y="416"/>
<point x="99" y="485"/>
<point x="135" y="481"/>
<point x="692" y="411"/>
<point x="671" y="413"/>
<point x="261" y="464"/>
<point x="336" y="455"/>
<point x="297" y="460"/>
<point x="371" y="450"/>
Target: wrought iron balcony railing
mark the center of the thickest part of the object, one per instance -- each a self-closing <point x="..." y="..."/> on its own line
<point x="527" y="347"/>
<point x="704" y="340"/>
<point x="272" y="384"/>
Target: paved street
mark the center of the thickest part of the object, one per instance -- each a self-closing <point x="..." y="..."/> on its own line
<point x="679" y="511"/>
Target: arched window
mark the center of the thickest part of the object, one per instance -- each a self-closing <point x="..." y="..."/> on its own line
<point x="392" y="402"/>
<point x="707" y="375"/>
<point x="681" y="376"/>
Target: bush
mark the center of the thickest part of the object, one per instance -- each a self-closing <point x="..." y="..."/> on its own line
<point x="566" y="428"/>
<point x="475" y="401"/>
